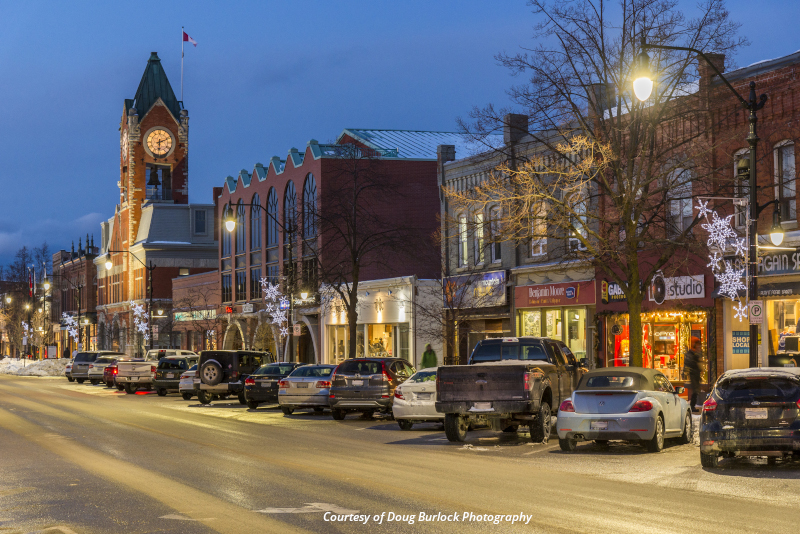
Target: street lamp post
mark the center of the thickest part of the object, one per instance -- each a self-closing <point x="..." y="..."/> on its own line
<point x="109" y="265"/>
<point x="643" y="85"/>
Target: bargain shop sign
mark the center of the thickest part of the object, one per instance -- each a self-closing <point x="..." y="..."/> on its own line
<point x="785" y="263"/>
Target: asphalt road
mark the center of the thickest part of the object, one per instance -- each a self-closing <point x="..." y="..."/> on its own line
<point x="85" y="459"/>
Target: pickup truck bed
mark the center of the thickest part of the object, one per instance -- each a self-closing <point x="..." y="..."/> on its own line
<point x="488" y="388"/>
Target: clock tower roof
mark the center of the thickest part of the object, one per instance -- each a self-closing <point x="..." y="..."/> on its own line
<point x="154" y="85"/>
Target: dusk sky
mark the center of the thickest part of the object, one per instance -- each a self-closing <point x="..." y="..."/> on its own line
<point x="265" y="76"/>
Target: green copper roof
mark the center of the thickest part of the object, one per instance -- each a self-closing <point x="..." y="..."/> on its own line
<point x="155" y="85"/>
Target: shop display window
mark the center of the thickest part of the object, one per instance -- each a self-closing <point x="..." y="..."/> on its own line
<point x="782" y="320"/>
<point x="531" y="323"/>
<point x="380" y="342"/>
<point x="337" y="343"/>
<point x="666" y="337"/>
<point x="553" y="323"/>
<point x="576" y="331"/>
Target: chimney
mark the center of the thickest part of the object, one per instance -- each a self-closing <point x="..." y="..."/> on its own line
<point x="707" y="73"/>
<point x="602" y="97"/>
<point x="515" y="127"/>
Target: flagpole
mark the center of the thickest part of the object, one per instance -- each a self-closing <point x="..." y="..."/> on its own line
<point x="182" y="32"/>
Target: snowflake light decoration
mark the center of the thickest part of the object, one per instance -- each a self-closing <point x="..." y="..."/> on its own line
<point x="140" y="320"/>
<point x="730" y="281"/>
<point x="702" y="208"/>
<point x="72" y="325"/>
<point x="715" y="258"/>
<point x="719" y="231"/>
<point x="740" y="311"/>
<point x="274" y="300"/>
<point x="740" y="246"/>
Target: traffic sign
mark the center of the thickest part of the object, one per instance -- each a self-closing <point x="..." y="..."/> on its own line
<point x="297" y="329"/>
<point x="756" y="311"/>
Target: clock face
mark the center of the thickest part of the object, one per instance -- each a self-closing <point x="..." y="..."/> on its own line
<point x="125" y="145"/>
<point x="159" y="142"/>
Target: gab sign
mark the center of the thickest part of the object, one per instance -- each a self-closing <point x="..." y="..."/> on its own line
<point x="756" y="311"/>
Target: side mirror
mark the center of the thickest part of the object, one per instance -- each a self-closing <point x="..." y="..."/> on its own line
<point x="569" y="367"/>
<point x="679" y="390"/>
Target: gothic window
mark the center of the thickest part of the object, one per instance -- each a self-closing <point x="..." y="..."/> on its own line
<point x="255" y="223"/>
<point x="241" y="229"/>
<point x="310" y="207"/>
<point x="786" y="180"/>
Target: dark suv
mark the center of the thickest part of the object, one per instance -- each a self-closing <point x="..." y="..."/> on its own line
<point x="169" y="371"/>
<point x="223" y="372"/>
<point x="366" y="385"/>
<point x="752" y="412"/>
<point x="262" y="385"/>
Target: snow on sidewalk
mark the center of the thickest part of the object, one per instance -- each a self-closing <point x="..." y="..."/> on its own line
<point x="12" y="366"/>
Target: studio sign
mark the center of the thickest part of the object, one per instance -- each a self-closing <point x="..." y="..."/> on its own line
<point x="677" y="288"/>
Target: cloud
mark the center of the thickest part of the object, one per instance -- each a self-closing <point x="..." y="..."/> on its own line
<point x="57" y="234"/>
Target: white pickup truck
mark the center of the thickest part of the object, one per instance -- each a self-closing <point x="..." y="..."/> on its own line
<point x="135" y="373"/>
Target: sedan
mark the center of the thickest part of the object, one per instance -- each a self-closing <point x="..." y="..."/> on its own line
<point x="415" y="400"/>
<point x="307" y="387"/>
<point x="262" y="386"/>
<point x="752" y="412"/>
<point x="624" y="403"/>
<point x="97" y="368"/>
<point x="186" y="383"/>
<point x="68" y="371"/>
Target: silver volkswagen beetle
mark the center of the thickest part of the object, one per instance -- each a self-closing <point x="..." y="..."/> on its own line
<point x="624" y="403"/>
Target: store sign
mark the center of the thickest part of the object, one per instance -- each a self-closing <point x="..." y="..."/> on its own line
<point x="247" y="308"/>
<point x="611" y="292"/>
<point x="785" y="289"/>
<point x="476" y="290"/>
<point x="564" y="294"/>
<point x="741" y="342"/>
<point x="780" y="263"/>
<point x="682" y="288"/>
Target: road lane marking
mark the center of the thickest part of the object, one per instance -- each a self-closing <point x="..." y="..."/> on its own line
<point x="180" y="517"/>
<point x="310" y="507"/>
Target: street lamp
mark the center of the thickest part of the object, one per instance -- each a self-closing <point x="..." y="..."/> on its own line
<point x="8" y="299"/>
<point x="229" y="218"/>
<point x="642" y="90"/>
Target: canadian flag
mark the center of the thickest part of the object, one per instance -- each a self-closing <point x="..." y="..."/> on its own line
<point x="189" y="39"/>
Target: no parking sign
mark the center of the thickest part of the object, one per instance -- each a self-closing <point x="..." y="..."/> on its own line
<point x="756" y="311"/>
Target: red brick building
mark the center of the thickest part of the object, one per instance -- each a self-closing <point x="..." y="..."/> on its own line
<point x="74" y="292"/>
<point x="153" y="225"/>
<point x="260" y="248"/>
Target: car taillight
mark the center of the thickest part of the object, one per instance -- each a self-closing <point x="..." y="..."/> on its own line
<point x="249" y="382"/>
<point x="798" y="404"/>
<point x="398" y="394"/>
<point x="322" y="384"/>
<point x="566" y="406"/>
<point x="115" y="370"/>
<point x="385" y="376"/>
<point x="642" y="406"/>
<point x="710" y="405"/>
<point x="283" y="384"/>
<point x="152" y="368"/>
<point x="184" y="377"/>
<point x="234" y="374"/>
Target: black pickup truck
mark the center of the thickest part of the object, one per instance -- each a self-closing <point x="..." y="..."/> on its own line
<point x="508" y="382"/>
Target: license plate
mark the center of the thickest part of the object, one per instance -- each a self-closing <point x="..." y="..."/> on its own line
<point x="424" y="396"/>
<point x="170" y="375"/>
<point x="264" y="385"/>
<point x="482" y="405"/>
<point x="598" y="425"/>
<point x="134" y="378"/>
<point x="302" y="385"/>
<point x="755" y="413"/>
<point x="358" y="382"/>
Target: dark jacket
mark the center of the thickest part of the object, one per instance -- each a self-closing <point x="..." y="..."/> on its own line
<point x="691" y="365"/>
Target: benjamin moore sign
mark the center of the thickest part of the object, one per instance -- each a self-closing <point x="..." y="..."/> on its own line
<point x="565" y="294"/>
<point x="683" y="287"/>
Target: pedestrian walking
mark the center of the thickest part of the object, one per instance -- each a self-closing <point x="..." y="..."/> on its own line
<point x="692" y="367"/>
<point x="429" y="358"/>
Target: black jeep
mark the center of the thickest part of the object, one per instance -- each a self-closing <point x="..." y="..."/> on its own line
<point x="223" y="372"/>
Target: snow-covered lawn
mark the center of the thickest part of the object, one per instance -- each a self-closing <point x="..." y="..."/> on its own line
<point x="12" y="366"/>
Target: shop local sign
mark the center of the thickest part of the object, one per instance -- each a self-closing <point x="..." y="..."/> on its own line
<point x="683" y="287"/>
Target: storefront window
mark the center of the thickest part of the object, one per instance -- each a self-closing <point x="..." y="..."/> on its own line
<point x="553" y="323"/>
<point x="337" y="344"/>
<point x="531" y="323"/>
<point x="380" y="340"/>
<point x="782" y="318"/>
<point x="576" y="331"/>
<point x="666" y="336"/>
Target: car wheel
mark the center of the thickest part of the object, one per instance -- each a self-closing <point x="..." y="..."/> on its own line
<point x="129" y="389"/>
<point x="657" y="443"/>
<point x="455" y="427"/>
<point x="161" y="392"/>
<point x="772" y="460"/>
<point x="510" y="429"/>
<point x="686" y="437"/>
<point x="80" y="380"/>
<point x="186" y="396"/>
<point x="338" y="415"/>
<point x="710" y="461"/>
<point x="242" y="398"/>
<point x="252" y="405"/>
<point x="94" y="382"/>
<point x="109" y="384"/>
<point x="211" y="373"/>
<point x="70" y="379"/>
<point x="286" y="410"/>
<point x="567" y="445"/>
<point x="540" y="427"/>
<point x="120" y="387"/>
<point x="368" y="414"/>
<point x="204" y="397"/>
<point x="405" y="424"/>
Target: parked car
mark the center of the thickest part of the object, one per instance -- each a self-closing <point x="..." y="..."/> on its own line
<point x="133" y="373"/>
<point x="262" y="385"/>
<point x="186" y="383"/>
<point x="508" y="382"/>
<point x="752" y="412"/>
<point x="169" y="370"/>
<point x="308" y="386"/>
<point x="82" y="360"/>
<point x="366" y="385"/>
<point x="415" y="400"/>
<point x="97" y="367"/>
<point x="110" y="376"/>
<point x="624" y="403"/>
<point x="68" y="371"/>
<point x="223" y="372"/>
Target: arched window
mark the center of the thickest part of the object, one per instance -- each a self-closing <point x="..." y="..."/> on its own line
<point x="785" y="180"/>
<point x="310" y="207"/>
<point x="289" y="213"/>
<point x="740" y="187"/>
<point x="241" y="229"/>
<point x="272" y="218"/>
<point x="255" y="223"/>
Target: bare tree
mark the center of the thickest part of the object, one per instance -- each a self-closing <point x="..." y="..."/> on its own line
<point x="611" y="180"/>
<point x="196" y="310"/>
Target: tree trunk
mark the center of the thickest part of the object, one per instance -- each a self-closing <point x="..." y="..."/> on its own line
<point x="352" y="322"/>
<point x="635" y="325"/>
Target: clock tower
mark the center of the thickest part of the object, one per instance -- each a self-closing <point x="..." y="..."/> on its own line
<point x="154" y="142"/>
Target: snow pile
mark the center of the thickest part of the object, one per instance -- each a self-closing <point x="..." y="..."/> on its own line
<point x="12" y="366"/>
